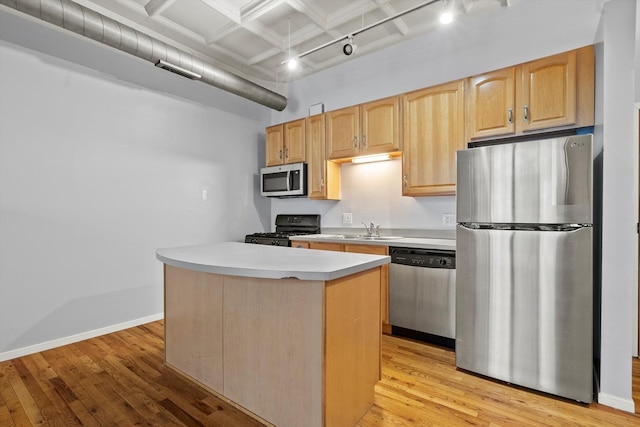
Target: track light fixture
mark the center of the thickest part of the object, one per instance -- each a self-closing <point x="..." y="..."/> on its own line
<point x="349" y="47"/>
<point x="349" y="37"/>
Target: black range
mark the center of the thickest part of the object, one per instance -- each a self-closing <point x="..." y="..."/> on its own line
<point x="286" y="225"/>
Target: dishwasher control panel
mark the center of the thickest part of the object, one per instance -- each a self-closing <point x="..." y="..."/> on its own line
<point x="430" y="258"/>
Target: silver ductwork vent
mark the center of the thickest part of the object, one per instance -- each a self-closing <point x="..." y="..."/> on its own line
<point x="178" y="70"/>
<point x="86" y="22"/>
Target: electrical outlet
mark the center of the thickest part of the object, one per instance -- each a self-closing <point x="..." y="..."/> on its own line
<point x="448" y="219"/>
<point x="347" y="218"/>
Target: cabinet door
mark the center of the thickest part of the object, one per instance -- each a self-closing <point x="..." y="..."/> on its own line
<point x="323" y="176"/>
<point x="316" y="165"/>
<point x="433" y="131"/>
<point x="491" y="102"/>
<point x="343" y="127"/>
<point x="547" y="93"/>
<point x="274" y="151"/>
<point x="384" y="279"/>
<point x="380" y="126"/>
<point x="294" y="141"/>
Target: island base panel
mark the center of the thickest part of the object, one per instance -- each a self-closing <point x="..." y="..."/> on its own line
<point x="288" y="352"/>
<point x="273" y="348"/>
<point x="353" y="346"/>
<point x="193" y="324"/>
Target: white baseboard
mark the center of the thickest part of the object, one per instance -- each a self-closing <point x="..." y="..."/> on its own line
<point x="8" y="355"/>
<point x="616" y="402"/>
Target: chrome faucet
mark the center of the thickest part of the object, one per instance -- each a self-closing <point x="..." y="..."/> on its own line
<point x="370" y="229"/>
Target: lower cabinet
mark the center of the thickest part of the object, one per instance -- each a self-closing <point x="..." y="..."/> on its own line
<point x="362" y="249"/>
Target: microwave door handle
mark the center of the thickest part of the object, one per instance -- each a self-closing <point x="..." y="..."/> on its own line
<point x="289" y="179"/>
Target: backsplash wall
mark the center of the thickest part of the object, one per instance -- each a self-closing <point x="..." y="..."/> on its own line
<point x="373" y="192"/>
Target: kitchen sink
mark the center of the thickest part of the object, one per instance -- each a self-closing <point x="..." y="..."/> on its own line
<point x="365" y="237"/>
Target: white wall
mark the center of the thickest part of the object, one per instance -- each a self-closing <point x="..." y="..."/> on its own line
<point x="529" y="29"/>
<point x="95" y="174"/>
<point x="372" y="192"/>
<point x="619" y="238"/>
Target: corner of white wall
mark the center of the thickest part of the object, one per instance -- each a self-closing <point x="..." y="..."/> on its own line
<point x="8" y="355"/>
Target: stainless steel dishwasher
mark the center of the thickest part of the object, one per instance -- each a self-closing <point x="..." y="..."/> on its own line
<point x="422" y="291"/>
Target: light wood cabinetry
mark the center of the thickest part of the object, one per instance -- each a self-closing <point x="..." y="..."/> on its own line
<point x="384" y="279"/>
<point x="274" y="145"/>
<point x="433" y="131"/>
<point x="370" y="128"/>
<point x="327" y="246"/>
<point x="311" y="363"/>
<point x="552" y="92"/>
<point x="285" y="143"/>
<point x="431" y="124"/>
<point x="381" y="127"/>
<point x="323" y="176"/>
<point x="343" y="132"/>
<point x="362" y="249"/>
<point x="491" y="103"/>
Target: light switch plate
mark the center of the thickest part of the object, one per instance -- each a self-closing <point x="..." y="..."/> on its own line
<point x="347" y="218"/>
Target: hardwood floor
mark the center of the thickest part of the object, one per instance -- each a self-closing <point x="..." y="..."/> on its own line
<point x="120" y="380"/>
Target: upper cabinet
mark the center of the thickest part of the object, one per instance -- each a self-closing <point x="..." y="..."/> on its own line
<point x="274" y="138"/>
<point x="370" y="128"/>
<point x="429" y="125"/>
<point x="323" y="176"/>
<point x="491" y="103"/>
<point x="285" y="143"/>
<point x="552" y="92"/>
<point x="433" y="131"/>
<point x="380" y="124"/>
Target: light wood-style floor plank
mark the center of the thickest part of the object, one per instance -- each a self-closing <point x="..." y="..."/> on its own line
<point x="120" y="380"/>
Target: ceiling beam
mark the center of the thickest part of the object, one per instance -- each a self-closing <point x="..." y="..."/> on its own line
<point x="224" y="8"/>
<point x="314" y="13"/>
<point x="258" y="8"/>
<point x="398" y="23"/>
<point x="155" y="7"/>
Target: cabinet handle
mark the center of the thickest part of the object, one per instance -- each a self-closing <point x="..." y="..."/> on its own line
<point x="355" y="141"/>
<point x="364" y="140"/>
<point x="510" y="115"/>
<point x="280" y="154"/>
<point x="321" y="182"/>
<point x="526" y="113"/>
<point x="405" y="178"/>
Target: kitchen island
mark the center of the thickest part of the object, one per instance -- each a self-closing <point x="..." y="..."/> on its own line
<point x="291" y="337"/>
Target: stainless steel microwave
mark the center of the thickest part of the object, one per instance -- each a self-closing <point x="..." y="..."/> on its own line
<point x="284" y="181"/>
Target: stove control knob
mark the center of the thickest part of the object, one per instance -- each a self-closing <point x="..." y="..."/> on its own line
<point x="443" y="261"/>
<point x="275" y="243"/>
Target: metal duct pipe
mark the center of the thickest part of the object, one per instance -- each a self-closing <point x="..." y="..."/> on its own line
<point x="81" y="20"/>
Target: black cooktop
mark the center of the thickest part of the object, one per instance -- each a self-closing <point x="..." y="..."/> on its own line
<point x="286" y="225"/>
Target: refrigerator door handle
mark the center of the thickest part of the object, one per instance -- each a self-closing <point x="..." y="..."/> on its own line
<point x="523" y="227"/>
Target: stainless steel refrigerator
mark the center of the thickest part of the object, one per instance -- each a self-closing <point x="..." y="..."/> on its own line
<point x="524" y="280"/>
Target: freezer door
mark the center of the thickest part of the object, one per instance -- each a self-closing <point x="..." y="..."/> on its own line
<point x="540" y="182"/>
<point x="524" y="308"/>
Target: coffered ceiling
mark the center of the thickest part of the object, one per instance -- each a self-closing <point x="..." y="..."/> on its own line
<point x="253" y="37"/>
